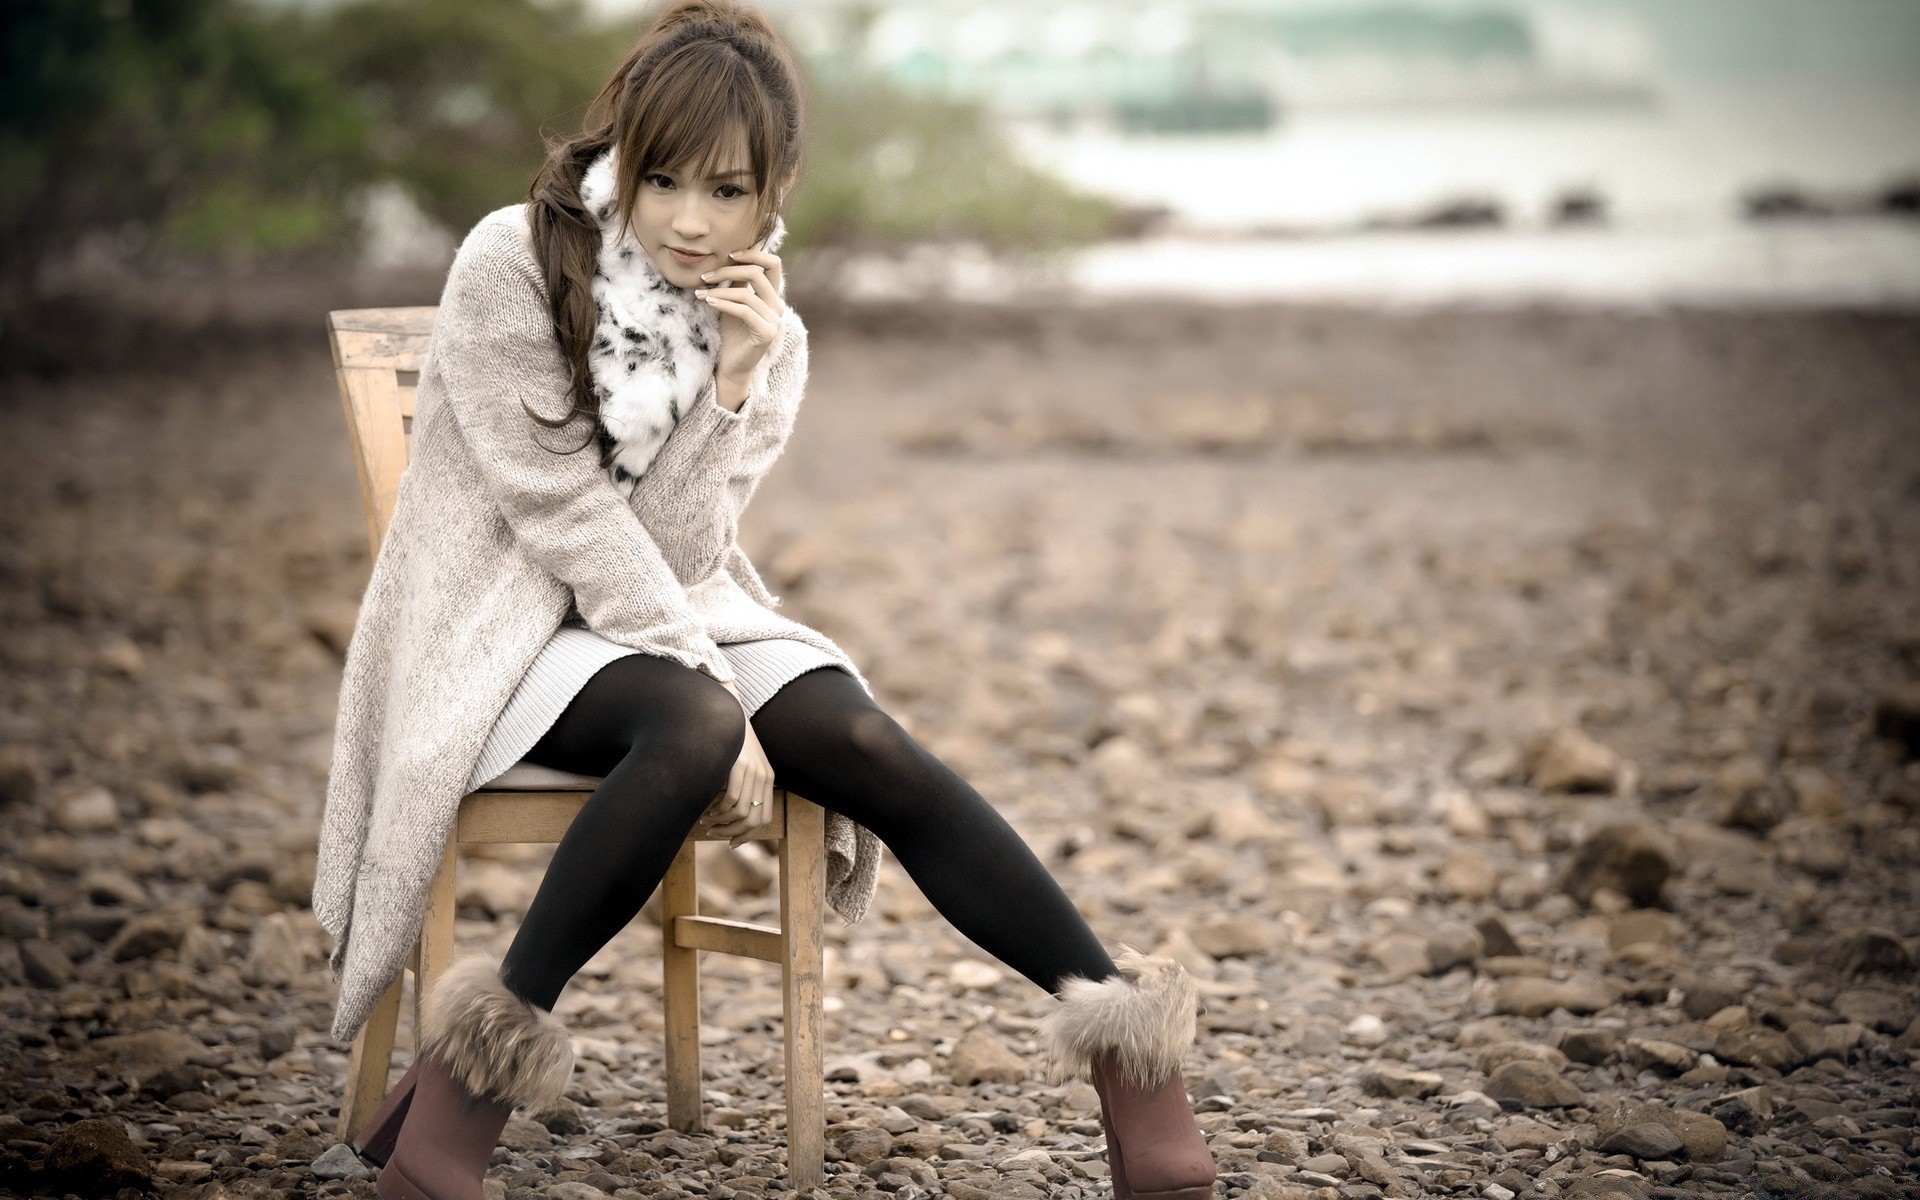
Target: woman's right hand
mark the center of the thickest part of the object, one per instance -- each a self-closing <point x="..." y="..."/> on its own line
<point x="747" y="804"/>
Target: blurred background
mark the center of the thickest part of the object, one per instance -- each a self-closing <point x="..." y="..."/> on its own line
<point x="1411" y="506"/>
<point x="1615" y="150"/>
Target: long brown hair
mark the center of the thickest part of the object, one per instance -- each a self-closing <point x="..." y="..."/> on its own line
<point x="701" y="69"/>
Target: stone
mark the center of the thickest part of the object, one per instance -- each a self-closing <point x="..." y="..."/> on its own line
<point x="862" y="1146"/>
<point x="1525" y="1133"/>
<point x="148" y="1052"/>
<point x="1365" y="1160"/>
<point x="1234" y="937"/>
<point x="1643" y="925"/>
<point x="1704" y="1138"/>
<point x="980" y="1057"/>
<point x="525" y="1135"/>
<point x="1705" y="997"/>
<point x="1289" y="1144"/>
<point x="1820" y="847"/>
<point x="23" y="770"/>
<point x="1660" y="1057"/>
<point x="1530" y="996"/>
<point x="1327" y="1164"/>
<point x="1592" y="1045"/>
<point x="1534" y="1085"/>
<point x="144" y="937"/>
<point x="970" y="974"/>
<point x="45" y="964"/>
<point x="1400" y="955"/>
<point x="1817" y="793"/>
<point x="183" y="1173"/>
<point x="1733" y="1016"/>
<point x="1756" y="1046"/>
<point x="90" y="809"/>
<point x="1466" y="874"/>
<point x="94" y="1157"/>
<point x="1495" y="938"/>
<point x="1366" y="1030"/>
<point x="1815" y="1041"/>
<point x="275" y="955"/>
<point x="1452" y="945"/>
<point x="1896" y="717"/>
<point x="1495" y="1055"/>
<point x="1643" y="1141"/>
<point x="339" y="1162"/>
<point x="1888" y="1012"/>
<point x="1571" y="761"/>
<point x="1867" y="952"/>
<point x="1630" y="856"/>
<point x="1387" y="1079"/>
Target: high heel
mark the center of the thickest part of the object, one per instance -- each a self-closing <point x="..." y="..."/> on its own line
<point x="483" y="1052"/>
<point x="1126" y="1035"/>
<point x="1153" y="1143"/>
<point x="374" y="1142"/>
<point x="1116" y="1161"/>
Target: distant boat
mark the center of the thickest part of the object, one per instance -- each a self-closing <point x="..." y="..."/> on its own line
<point x="1212" y="110"/>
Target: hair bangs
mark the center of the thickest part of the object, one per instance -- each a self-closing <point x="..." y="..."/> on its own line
<point x="701" y="97"/>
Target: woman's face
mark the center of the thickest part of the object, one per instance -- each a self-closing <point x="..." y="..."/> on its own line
<point x="709" y="216"/>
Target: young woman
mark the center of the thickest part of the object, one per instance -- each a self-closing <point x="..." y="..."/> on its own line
<point x="593" y="613"/>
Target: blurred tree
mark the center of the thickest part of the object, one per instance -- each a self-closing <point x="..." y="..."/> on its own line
<point x="457" y="91"/>
<point x="196" y="127"/>
<point x="887" y="165"/>
<point x="224" y="131"/>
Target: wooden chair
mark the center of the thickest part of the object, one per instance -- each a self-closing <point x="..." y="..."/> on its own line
<point x="377" y="354"/>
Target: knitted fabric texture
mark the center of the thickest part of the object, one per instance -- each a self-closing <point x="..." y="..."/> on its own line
<point x="493" y="537"/>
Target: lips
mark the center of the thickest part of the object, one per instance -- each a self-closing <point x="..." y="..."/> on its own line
<point x="686" y="256"/>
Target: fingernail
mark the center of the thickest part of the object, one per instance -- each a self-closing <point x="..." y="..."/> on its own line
<point x="733" y="254"/>
<point x="706" y="274"/>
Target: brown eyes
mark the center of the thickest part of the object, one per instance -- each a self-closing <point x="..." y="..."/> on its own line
<point x="665" y="181"/>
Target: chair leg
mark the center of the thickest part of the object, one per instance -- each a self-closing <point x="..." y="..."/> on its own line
<point x="802" y="912"/>
<point x="680" y="1000"/>
<point x="434" y="951"/>
<point x="372" y="1058"/>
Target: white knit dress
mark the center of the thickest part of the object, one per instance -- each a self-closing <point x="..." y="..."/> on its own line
<point x="576" y="652"/>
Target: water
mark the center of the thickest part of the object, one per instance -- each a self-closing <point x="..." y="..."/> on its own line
<point x="1673" y="178"/>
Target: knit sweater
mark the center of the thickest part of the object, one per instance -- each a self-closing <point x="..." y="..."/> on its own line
<point x="493" y="538"/>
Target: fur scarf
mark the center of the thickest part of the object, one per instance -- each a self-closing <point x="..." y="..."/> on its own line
<point x="655" y="345"/>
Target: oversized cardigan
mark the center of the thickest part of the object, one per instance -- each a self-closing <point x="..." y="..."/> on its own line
<point x="494" y="537"/>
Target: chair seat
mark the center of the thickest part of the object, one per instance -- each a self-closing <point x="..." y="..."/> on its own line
<point x="524" y="776"/>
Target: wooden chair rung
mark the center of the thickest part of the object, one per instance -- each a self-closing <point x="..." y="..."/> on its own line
<point x="740" y="938"/>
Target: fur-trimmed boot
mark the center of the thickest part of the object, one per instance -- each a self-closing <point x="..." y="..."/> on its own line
<point x="1126" y="1034"/>
<point x="483" y="1051"/>
<point x="374" y="1142"/>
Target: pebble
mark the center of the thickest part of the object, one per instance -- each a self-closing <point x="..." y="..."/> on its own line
<point x="1531" y="996"/>
<point x="339" y="1162"/>
<point x="1554" y="884"/>
<point x="1533" y="1085"/>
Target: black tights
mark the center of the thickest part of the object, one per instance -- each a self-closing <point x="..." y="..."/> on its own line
<point x="666" y="737"/>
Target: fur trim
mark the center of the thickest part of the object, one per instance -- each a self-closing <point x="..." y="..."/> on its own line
<point x="655" y="344"/>
<point x="496" y="1044"/>
<point x="1144" y="1015"/>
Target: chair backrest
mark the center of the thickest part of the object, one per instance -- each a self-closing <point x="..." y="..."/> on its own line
<point x="377" y="354"/>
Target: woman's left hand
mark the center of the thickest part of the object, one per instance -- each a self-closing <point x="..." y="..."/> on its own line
<point x="747" y="296"/>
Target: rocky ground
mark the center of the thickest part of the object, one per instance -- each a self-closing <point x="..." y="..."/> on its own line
<point x="1510" y="718"/>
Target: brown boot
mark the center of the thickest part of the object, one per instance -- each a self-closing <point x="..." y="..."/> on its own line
<point x="374" y="1142"/>
<point x="483" y="1050"/>
<point x="1125" y="1035"/>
